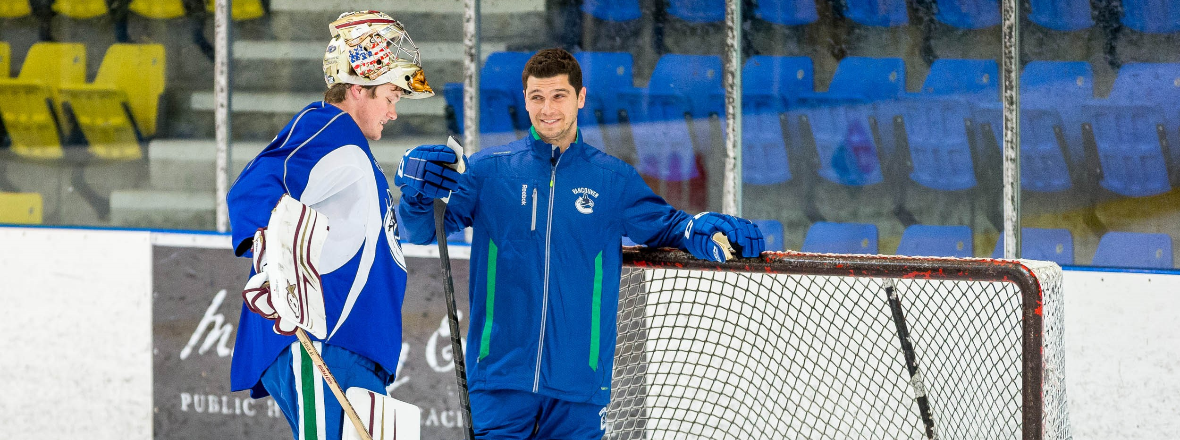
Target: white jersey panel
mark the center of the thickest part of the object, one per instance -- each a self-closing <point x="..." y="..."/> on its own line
<point x="336" y="187"/>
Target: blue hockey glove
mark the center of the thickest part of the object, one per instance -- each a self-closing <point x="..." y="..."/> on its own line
<point x="426" y="170"/>
<point x="744" y="236"/>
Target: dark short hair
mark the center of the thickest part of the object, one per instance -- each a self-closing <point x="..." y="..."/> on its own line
<point x="549" y="63"/>
<point x="336" y="92"/>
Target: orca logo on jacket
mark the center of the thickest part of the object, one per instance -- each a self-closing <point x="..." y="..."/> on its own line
<point x="584" y="203"/>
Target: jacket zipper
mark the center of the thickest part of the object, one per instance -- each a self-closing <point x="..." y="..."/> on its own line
<point x="545" y="295"/>
<point x="534" y="224"/>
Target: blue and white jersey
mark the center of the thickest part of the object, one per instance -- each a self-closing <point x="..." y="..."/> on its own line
<point x="546" y="257"/>
<point x="322" y="159"/>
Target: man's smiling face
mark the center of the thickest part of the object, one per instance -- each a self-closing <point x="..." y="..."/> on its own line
<point x="553" y="106"/>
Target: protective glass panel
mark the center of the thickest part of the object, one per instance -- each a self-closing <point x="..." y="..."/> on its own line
<point x="1098" y="127"/>
<point x="106" y="114"/>
<point x="859" y="131"/>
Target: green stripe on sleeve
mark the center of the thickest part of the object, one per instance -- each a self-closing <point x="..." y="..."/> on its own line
<point x="486" y="338"/>
<point x="596" y="312"/>
<point x="307" y="374"/>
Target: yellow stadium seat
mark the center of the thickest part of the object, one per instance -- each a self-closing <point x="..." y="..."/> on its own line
<point x="20" y="208"/>
<point x="159" y="9"/>
<point x="242" y="9"/>
<point x="80" y="8"/>
<point x="30" y="103"/>
<point x="5" y="60"/>
<point x="14" y="8"/>
<point x="123" y="99"/>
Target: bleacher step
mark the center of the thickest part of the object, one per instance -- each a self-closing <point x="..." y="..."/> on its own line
<point x="188" y="164"/>
<point x="151" y="208"/>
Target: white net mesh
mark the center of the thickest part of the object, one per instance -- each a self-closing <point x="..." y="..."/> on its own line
<point x="746" y="354"/>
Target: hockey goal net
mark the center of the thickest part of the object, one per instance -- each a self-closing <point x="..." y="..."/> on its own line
<point x="819" y="346"/>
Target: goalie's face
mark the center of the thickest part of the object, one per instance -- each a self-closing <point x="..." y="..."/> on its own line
<point x="375" y="108"/>
<point x="553" y="106"/>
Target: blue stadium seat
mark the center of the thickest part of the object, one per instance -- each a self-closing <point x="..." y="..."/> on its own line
<point x="936" y="121"/>
<point x="1052" y="93"/>
<point x="1133" y="249"/>
<point x="1131" y="127"/>
<point x="773" y="80"/>
<point x="772" y="230"/>
<point x="884" y="13"/>
<point x="785" y="77"/>
<point x="681" y="87"/>
<point x="969" y="14"/>
<point x="696" y="77"/>
<point x="841" y="238"/>
<point x="1061" y="15"/>
<point x="787" y="12"/>
<point x="603" y="75"/>
<point x="697" y="11"/>
<point x="502" y="94"/>
<point x="872" y="79"/>
<point x="660" y="132"/>
<point x="612" y="10"/>
<point x="936" y="241"/>
<point x="1050" y="84"/>
<point x="502" y="116"/>
<point x="1152" y="16"/>
<point x="962" y="76"/>
<point x="1054" y="245"/>
<point x="839" y="120"/>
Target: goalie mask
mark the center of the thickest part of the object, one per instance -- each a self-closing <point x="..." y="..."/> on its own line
<point x="370" y="48"/>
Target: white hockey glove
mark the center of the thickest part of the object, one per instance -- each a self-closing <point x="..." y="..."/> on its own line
<point x="287" y="287"/>
<point x="256" y="294"/>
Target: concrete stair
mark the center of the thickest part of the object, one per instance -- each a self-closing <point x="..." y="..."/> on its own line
<point x="182" y="181"/>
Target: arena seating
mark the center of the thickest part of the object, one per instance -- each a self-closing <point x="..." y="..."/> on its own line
<point x="20" y="208"/>
<point x="118" y="110"/>
<point x="969" y="14"/>
<point x="31" y="103"/>
<point x="612" y="10"/>
<point x="1151" y="16"/>
<point x="1061" y="15"/>
<point x="1134" y="249"/>
<point x="1054" y="245"/>
<point x="936" y="241"/>
<point x="841" y="238"/>
<point x="882" y="13"/>
<point x="772" y="82"/>
<point x="1131" y="131"/>
<point x="787" y="12"/>
<point x="14" y="8"/>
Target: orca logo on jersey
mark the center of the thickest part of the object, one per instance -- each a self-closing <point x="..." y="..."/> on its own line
<point x="584" y="203"/>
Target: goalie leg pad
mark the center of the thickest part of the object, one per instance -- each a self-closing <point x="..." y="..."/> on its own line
<point x="385" y="417"/>
<point x="305" y="399"/>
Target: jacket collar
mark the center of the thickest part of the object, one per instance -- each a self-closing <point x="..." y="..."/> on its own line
<point x="545" y="150"/>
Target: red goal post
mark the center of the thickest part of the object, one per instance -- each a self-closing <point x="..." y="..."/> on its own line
<point x="802" y="345"/>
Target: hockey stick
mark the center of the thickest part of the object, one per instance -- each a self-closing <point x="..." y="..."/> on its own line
<point x="440" y="210"/>
<point x="331" y="381"/>
<point x="911" y="360"/>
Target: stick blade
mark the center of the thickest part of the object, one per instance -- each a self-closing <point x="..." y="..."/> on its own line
<point x="385" y="417"/>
